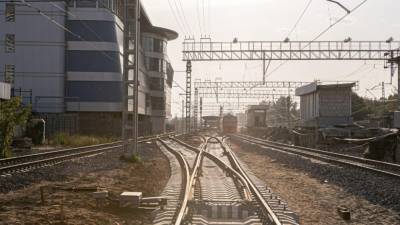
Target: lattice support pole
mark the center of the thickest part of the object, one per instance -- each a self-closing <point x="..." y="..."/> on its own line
<point x="201" y="113"/>
<point x="130" y="86"/>
<point x="188" y="94"/>
<point x="195" y="109"/>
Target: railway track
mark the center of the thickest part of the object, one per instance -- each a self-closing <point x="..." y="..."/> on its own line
<point x="387" y="169"/>
<point x="216" y="189"/>
<point x="26" y="163"/>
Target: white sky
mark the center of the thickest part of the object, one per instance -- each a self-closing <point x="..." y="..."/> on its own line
<point x="271" y="20"/>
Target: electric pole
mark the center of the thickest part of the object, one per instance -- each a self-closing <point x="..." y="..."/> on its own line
<point x="130" y="87"/>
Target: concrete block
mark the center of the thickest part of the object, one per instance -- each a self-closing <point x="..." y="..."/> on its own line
<point x="100" y="194"/>
<point x="130" y="199"/>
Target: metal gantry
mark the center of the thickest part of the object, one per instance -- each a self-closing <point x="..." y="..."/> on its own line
<point x="293" y="50"/>
<point x="242" y="94"/>
<point x="207" y="84"/>
<point x="266" y="51"/>
<point x="130" y="84"/>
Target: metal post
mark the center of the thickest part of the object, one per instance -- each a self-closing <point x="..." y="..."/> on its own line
<point x="263" y="59"/>
<point x="130" y="123"/>
<point x="398" y="82"/>
<point x="288" y="113"/>
<point x="195" y="108"/>
<point x="201" y="113"/>
<point x="183" y="116"/>
<point x="221" y="118"/>
<point x="136" y="78"/>
<point x="188" y="93"/>
<point x="125" y="77"/>
<point x="383" y="92"/>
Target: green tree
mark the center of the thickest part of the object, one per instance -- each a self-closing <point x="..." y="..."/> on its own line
<point x="279" y="111"/>
<point x="12" y="113"/>
<point x="359" y="107"/>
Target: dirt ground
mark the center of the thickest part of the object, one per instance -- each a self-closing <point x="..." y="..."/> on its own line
<point x="65" y="207"/>
<point x="315" y="201"/>
<point x="194" y="141"/>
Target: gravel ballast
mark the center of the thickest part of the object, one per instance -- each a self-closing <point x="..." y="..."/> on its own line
<point x="315" y="189"/>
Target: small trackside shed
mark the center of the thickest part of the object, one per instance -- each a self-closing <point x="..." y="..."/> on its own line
<point x="325" y="105"/>
<point x="257" y="115"/>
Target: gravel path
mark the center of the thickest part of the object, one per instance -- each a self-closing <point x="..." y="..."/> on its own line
<point x="314" y="189"/>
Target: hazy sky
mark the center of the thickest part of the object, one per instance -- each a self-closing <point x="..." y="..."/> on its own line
<point x="271" y="20"/>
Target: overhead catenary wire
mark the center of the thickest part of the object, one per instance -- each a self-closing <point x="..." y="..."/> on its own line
<point x="209" y="16"/>
<point x="321" y="33"/>
<point x="184" y="17"/>
<point x="184" y="23"/>
<point x="176" y="18"/>
<point x="199" y="17"/>
<point x="204" y="17"/>
<point x="300" y="18"/>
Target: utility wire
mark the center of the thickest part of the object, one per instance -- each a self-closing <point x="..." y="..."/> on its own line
<point x="299" y="19"/>
<point x="204" y="17"/>
<point x="181" y="17"/>
<point x="176" y="17"/>
<point x="322" y="33"/>
<point x="198" y="16"/>
<point x="184" y="17"/>
<point x="209" y="17"/>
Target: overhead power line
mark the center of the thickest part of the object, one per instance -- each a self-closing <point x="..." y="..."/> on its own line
<point x="181" y="17"/>
<point x="176" y="18"/>
<point x="184" y="17"/>
<point x="299" y="19"/>
<point x="321" y="33"/>
<point x="198" y="16"/>
<point x="204" y="17"/>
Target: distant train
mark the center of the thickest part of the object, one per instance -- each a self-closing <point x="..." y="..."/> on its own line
<point x="229" y="124"/>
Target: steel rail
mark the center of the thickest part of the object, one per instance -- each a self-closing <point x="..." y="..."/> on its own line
<point x="31" y="157"/>
<point x="179" y="216"/>
<point x="27" y="162"/>
<point x="267" y="210"/>
<point x="51" y="161"/>
<point x="222" y="165"/>
<point x="366" y="164"/>
<point x="391" y="166"/>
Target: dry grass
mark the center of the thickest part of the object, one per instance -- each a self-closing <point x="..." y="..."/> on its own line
<point x="63" y="139"/>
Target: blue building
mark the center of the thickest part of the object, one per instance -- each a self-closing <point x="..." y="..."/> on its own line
<point x="71" y="60"/>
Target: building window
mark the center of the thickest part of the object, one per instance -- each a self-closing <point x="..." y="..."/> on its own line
<point x="156" y="84"/>
<point x="10" y="12"/>
<point x="154" y="64"/>
<point x="86" y="3"/>
<point x="147" y="100"/>
<point x="158" y="46"/>
<point x="10" y="43"/>
<point x="9" y="74"/>
<point x="157" y="103"/>
<point x="147" y="44"/>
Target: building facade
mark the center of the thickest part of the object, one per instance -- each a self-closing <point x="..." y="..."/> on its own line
<point x="70" y="56"/>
